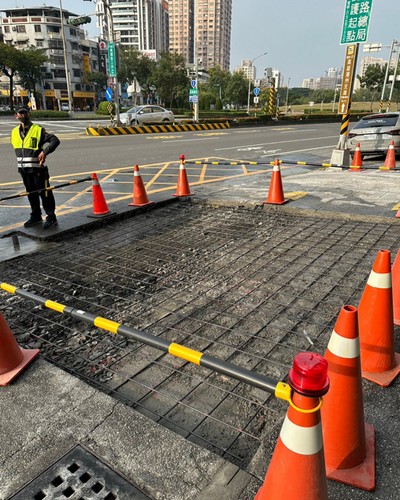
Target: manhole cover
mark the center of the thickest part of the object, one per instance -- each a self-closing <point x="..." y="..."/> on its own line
<point x="79" y="475"/>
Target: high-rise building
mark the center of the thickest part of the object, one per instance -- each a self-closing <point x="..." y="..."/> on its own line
<point x="142" y="24"/>
<point x="202" y="27"/>
<point x="248" y="69"/>
<point x="41" y="27"/>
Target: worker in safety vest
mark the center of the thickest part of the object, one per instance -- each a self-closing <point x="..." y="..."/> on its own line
<point x="32" y="144"/>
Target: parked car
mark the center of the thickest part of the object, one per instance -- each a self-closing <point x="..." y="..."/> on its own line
<point x="64" y="106"/>
<point x="374" y="133"/>
<point x="146" y="114"/>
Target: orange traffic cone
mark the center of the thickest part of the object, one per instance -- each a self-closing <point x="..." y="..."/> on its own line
<point x="100" y="207"/>
<point x="396" y="288"/>
<point x="13" y="359"/>
<point x="182" y="189"/>
<point x="140" y="197"/>
<point x="275" y="193"/>
<point x="379" y="362"/>
<point x="390" y="160"/>
<point x="357" y="160"/>
<point x="299" y="447"/>
<point x="349" y="443"/>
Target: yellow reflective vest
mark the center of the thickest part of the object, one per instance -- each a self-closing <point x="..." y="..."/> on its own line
<point x="27" y="148"/>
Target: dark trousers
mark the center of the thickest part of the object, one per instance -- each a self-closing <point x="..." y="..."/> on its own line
<point x="33" y="181"/>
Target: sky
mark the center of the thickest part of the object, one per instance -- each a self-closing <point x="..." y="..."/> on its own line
<point x="301" y="37"/>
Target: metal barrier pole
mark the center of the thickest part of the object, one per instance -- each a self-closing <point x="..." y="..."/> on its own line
<point x="279" y="389"/>
<point x="51" y="188"/>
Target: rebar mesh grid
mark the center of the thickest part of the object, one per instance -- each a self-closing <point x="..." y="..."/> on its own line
<point x="249" y="287"/>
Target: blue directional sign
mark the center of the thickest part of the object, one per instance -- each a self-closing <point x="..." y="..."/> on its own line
<point x="256" y="91"/>
<point x="109" y="94"/>
<point x="193" y="83"/>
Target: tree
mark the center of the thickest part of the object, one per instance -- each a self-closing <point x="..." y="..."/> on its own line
<point x="29" y="67"/>
<point x="170" y="77"/>
<point x="237" y="89"/>
<point x="9" y="63"/>
<point x="135" y="67"/>
<point x="372" y="80"/>
<point x="217" y="84"/>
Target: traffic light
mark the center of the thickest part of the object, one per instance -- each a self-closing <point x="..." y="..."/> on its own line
<point x="76" y="21"/>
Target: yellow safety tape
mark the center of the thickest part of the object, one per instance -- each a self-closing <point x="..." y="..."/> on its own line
<point x="185" y="353"/>
<point x="107" y="324"/>
<point x="8" y="288"/>
<point x="56" y="306"/>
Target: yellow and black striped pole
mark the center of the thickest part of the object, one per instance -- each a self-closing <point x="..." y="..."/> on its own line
<point x="46" y="189"/>
<point x="271" y="102"/>
<point x="280" y="389"/>
<point x="344" y="128"/>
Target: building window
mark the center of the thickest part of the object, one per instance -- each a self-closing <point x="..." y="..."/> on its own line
<point x="21" y="29"/>
<point x="6" y="29"/>
<point x="59" y="73"/>
<point x="38" y="28"/>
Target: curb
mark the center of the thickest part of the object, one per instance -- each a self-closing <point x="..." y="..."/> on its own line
<point x="154" y="129"/>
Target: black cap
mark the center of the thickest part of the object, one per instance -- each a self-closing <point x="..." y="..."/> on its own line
<point x="23" y="110"/>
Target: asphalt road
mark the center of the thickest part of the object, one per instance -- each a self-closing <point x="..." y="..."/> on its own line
<point x="82" y="154"/>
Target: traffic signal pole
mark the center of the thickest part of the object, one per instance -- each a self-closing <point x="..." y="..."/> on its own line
<point x="110" y="28"/>
<point x="67" y="74"/>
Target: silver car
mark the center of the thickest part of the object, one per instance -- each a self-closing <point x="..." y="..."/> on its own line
<point x="146" y="114"/>
<point x="374" y="133"/>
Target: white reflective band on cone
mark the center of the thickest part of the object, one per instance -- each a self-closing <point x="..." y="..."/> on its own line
<point x="344" y="348"/>
<point x="380" y="280"/>
<point x="276" y="168"/>
<point x="301" y="440"/>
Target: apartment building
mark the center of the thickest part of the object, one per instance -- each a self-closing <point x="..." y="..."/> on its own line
<point x="248" y="69"/>
<point x="201" y="29"/>
<point x="41" y="27"/>
<point x="141" y="24"/>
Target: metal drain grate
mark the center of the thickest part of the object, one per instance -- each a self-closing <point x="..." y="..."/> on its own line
<point x="79" y="475"/>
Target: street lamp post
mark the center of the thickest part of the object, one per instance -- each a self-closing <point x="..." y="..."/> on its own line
<point x="393" y="81"/>
<point x="287" y="96"/>
<point x="67" y="74"/>
<point x="250" y="80"/>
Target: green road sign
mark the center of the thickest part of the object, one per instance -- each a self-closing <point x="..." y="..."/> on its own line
<point x="193" y="92"/>
<point x="112" y="67"/>
<point x="357" y="14"/>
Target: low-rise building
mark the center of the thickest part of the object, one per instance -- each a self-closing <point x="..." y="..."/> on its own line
<point x="41" y="27"/>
